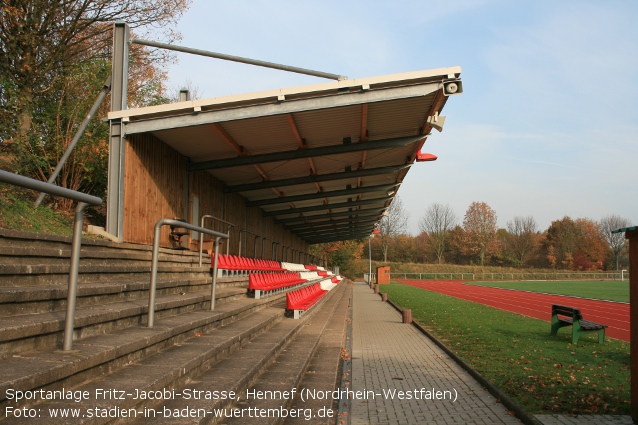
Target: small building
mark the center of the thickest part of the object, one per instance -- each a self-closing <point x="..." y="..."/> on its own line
<point x="383" y="275"/>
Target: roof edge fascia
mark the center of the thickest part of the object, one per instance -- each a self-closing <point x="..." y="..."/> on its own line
<point x="279" y="94"/>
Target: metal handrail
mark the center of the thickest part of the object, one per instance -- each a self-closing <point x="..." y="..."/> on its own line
<point x="201" y="242"/>
<point x="263" y="239"/>
<point x="84" y="201"/>
<point x="156" y="238"/>
<point x="254" y="243"/>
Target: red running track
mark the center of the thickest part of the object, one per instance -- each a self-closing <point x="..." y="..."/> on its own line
<point x="532" y="304"/>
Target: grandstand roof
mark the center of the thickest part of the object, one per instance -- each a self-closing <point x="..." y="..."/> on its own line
<point x="324" y="160"/>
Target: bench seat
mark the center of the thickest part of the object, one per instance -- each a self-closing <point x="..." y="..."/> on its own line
<point x="570" y="316"/>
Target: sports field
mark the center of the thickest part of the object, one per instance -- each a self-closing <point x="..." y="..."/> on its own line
<point x="541" y="372"/>
<point x="599" y="290"/>
<point x="533" y="304"/>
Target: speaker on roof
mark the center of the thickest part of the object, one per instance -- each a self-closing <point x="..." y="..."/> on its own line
<point x="452" y="87"/>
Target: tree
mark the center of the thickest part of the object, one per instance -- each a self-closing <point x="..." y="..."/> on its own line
<point x="393" y="223"/>
<point x="54" y="58"/>
<point x="40" y="40"/>
<point x="340" y="253"/>
<point x="437" y="221"/>
<point x="522" y="238"/>
<point x="616" y="241"/>
<point x="577" y="244"/>
<point x="480" y="230"/>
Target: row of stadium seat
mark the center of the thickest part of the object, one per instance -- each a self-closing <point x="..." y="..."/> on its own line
<point x="300" y="300"/>
<point x="269" y="283"/>
<point x="231" y="265"/>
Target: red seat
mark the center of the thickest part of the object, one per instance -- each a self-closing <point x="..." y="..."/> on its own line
<point x="304" y="298"/>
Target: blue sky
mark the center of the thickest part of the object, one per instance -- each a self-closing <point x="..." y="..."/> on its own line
<point x="548" y="122"/>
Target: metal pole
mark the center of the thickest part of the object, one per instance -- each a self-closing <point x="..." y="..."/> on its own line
<point x="151" y="296"/>
<point x="239" y="59"/>
<point x="154" y="261"/>
<point x="213" y="289"/>
<point x="73" y="276"/>
<point x="370" y="258"/>
<point x="106" y="87"/>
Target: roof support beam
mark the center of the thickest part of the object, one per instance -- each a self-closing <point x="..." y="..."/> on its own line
<point x="317" y="178"/>
<point x="239" y="150"/>
<point x="360" y="213"/>
<point x="343" y="237"/>
<point x="344" y="192"/>
<point x="331" y="224"/>
<point x="327" y="207"/>
<point x="302" y="153"/>
<point x="341" y="229"/>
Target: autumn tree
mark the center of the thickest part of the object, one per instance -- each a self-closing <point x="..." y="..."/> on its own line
<point x="616" y="241"/>
<point x="339" y="253"/>
<point x="393" y="223"/>
<point x="480" y="230"/>
<point x="577" y="244"/>
<point x="40" y="40"/>
<point x="54" y="59"/>
<point x="522" y="238"/>
<point x="436" y="222"/>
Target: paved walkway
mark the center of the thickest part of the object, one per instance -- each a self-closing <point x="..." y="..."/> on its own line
<point x="388" y="355"/>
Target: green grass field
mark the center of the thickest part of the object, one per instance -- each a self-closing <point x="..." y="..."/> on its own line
<point x="600" y="290"/>
<point x="542" y="373"/>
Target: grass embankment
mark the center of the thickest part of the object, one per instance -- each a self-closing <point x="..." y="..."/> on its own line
<point x="600" y="290"/>
<point x="542" y="373"/>
<point x="362" y="266"/>
<point x="17" y="212"/>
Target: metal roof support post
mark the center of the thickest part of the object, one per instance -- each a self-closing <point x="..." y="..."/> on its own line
<point x="119" y="84"/>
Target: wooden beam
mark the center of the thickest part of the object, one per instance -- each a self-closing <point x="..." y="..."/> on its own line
<point x="221" y="132"/>
<point x="363" y="135"/>
<point x="295" y="131"/>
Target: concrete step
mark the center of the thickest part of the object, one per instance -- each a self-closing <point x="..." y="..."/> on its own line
<point x="16" y="300"/>
<point x="176" y="347"/>
<point x="27" y="332"/>
<point x="30" y="241"/>
<point x="274" y="361"/>
<point x="30" y="259"/>
<point x="291" y="366"/>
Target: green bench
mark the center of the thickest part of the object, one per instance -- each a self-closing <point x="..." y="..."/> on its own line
<point x="570" y="316"/>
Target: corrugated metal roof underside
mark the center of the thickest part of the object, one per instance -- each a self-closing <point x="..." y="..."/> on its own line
<point x="340" y="155"/>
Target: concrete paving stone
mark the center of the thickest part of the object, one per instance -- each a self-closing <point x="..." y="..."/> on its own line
<point x="390" y="355"/>
<point x="585" y="419"/>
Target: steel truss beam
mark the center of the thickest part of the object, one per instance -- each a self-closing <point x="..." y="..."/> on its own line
<point x="303" y="153"/>
<point x="316" y="178"/>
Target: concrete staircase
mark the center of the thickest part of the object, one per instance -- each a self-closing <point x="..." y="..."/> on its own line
<point x="118" y="365"/>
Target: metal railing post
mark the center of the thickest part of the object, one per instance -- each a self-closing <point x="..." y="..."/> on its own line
<point x="156" y="238"/>
<point x="213" y="289"/>
<point x="201" y="241"/>
<point x="151" y="296"/>
<point x="84" y="201"/>
<point x="76" y="247"/>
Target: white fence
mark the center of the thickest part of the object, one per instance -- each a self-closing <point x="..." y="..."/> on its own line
<point x="619" y="275"/>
